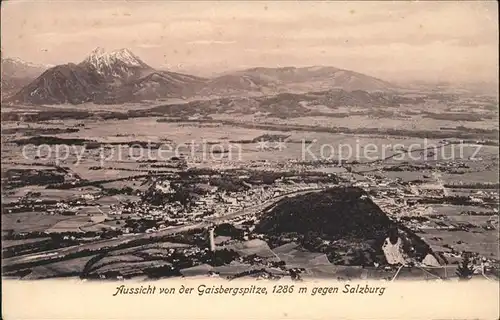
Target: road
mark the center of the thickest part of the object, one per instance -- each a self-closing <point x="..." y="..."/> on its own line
<point x="110" y="244"/>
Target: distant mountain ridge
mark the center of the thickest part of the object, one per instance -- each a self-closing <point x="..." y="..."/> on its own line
<point x="15" y="67"/>
<point x="328" y="77"/>
<point x="17" y="73"/>
<point x="120" y="76"/>
<point x="292" y="79"/>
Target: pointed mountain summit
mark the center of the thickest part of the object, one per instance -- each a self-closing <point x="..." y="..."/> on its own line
<point x="119" y="64"/>
<point x="99" y="58"/>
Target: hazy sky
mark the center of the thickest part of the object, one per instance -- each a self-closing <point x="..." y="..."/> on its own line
<point x="443" y="41"/>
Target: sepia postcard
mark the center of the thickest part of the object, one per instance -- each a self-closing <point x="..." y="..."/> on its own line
<point x="250" y="159"/>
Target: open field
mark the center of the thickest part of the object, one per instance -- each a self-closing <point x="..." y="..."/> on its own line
<point x="30" y="221"/>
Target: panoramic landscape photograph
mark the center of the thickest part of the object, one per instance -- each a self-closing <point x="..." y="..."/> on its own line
<point x="250" y="140"/>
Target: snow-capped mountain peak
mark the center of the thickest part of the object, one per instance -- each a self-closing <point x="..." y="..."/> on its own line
<point x="99" y="57"/>
<point x="126" y="55"/>
<point x="117" y="63"/>
<point x="21" y="62"/>
<point x="97" y="52"/>
<point x="18" y="68"/>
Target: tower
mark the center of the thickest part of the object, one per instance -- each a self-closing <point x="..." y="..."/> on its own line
<point x="211" y="238"/>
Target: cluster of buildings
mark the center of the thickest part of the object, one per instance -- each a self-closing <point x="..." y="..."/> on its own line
<point x="212" y="203"/>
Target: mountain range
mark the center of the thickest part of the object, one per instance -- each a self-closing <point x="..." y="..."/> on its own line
<point x="120" y="76"/>
<point x="316" y="78"/>
<point x="17" y="73"/>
